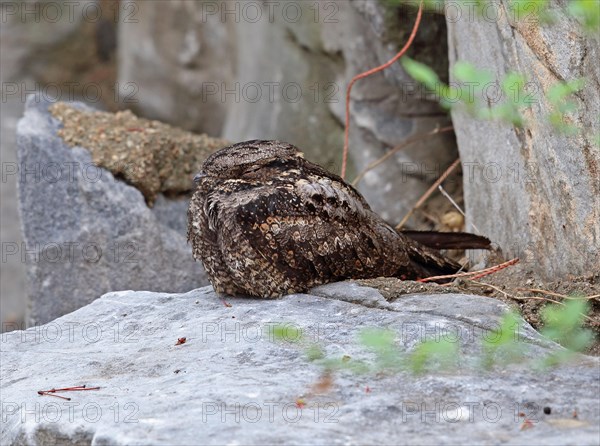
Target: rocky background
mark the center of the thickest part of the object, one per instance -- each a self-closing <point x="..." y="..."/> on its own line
<point x="242" y="70"/>
<point x="534" y="191"/>
<point x="90" y="210"/>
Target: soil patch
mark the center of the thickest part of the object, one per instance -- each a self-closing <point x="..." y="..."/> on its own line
<point x="517" y="286"/>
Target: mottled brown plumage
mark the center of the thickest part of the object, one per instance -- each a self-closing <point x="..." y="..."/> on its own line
<point x="266" y="222"/>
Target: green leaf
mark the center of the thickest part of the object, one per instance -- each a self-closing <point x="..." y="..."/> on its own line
<point x="421" y="73"/>
<point x="506" y="333"/>
<point x="528" y="9"/>
<point x="449" y="96"/>
<point x="435" y="354"/>
<point x="557" y="120"/>
<point x="558" y="92"/>
<point x="563" y="324"/>
<point x="466" y="72"/>
<point x="586" y="12"/>
<point x="286" y="333"/>
<point x="506" y="112"/>
<point x="504" y="342"/>
<point x="513" y="81"/>
<point x="382" y="342"/>
<point x="431" y="5"/>
<point x="377" y="339"/>
<point x="314" y="352"/>
<point x="558" y="97"/>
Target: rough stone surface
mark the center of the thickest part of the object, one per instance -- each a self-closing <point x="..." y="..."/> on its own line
<point x="166" y="52"/>
<point x="541" y="189"/>
<point x="230" y="383"/>
<point x="151" y="156"/>
<point x="34" y="51"/>
<point x="280" y="71"/>
<point x="28" y="35"/>
<point x="86" y="232"/>
<point x="60" y="49"/>
<point x="12" y="279"/>
<point x="304" y="77"/>
<point x="389" y="107"/>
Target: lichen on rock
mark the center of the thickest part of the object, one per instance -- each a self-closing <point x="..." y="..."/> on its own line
<point x="152" y="156"/>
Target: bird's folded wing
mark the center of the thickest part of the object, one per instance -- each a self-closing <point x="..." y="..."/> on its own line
<point x="306" y="232"/>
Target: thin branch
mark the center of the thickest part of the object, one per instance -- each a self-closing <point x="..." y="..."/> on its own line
<point x="552" y="301"/>
<point x="456" y="206"/>
<point x="511" y="296"/>
<point x="475" y="274"/>
<point x="550" y="293"/>
<point x="495" y="269"/>
<point x="368" y="73"/>
<point x="474" y="282"/>
<point x="399" y="147"/>
<point x="429" y="191"/>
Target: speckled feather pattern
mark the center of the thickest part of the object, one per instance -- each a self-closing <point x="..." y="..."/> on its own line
<point x="266" y="222"/>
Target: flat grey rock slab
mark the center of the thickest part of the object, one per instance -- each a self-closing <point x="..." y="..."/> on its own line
<point x="231" y="383"/>
<point x="86" y="232"/>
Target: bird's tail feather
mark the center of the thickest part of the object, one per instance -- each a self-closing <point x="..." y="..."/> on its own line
<point x="449" y="240"/>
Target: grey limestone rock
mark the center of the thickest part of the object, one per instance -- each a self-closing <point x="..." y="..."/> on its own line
<point x="533" y="191"/>
<point x="29" y="52"/>
<point x="167" y="51"/>
<point x="12" y="285"/>
<point x="231" y="382"/>
<point x="279" y="71"/>
<point x="86" y="232"/>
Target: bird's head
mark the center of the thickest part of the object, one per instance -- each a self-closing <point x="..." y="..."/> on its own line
<point x="244" y="157"/>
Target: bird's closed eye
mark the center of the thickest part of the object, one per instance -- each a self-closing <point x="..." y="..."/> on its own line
<point x="252" y="169"/>
<point x="199" y="176"/>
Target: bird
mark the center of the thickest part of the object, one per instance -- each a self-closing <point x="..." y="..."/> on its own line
<point x="266" y="222"/>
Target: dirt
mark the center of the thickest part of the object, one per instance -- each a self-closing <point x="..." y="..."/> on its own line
<point x="152" y="156"/>
<point x="518" y="287"/>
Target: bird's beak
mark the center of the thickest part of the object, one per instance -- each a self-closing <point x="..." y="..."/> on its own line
<point x="199" y="176"/>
